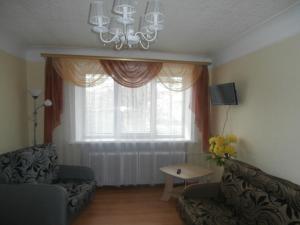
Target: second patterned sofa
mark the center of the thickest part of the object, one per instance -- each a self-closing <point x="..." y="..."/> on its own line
<point x="34" y="190"/>
<point x="245" y="196"/>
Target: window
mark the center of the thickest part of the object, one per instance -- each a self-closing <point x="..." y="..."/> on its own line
<point x="113" y="112"/>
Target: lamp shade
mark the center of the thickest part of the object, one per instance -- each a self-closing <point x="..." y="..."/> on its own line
<point x="156" y="27"/>
<point x="154" y="12"/>
<point x="130" y="29"/>
<point x="47" y="103"/>
<point x="115" y="27"/>
<point x="101" y="29"/>
<point x="144" y="26"/>
<point x="98" y="15"/>
<point x="124" y="7"/>
<point x="35" y="92"/>
<point x="147" y="28"/>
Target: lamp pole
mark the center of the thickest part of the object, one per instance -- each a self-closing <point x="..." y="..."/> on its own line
<point x="35" y="93"/>
<point x="35" y="124"/>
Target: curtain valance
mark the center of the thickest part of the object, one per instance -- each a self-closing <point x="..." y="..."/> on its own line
<point x="131" y="74"/>
<point x="91" y="72"/>
<point x="80" y="72"/>
<point x="179" y="76"/>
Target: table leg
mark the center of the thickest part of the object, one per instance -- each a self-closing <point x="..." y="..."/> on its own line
<point x="168" y="188"/>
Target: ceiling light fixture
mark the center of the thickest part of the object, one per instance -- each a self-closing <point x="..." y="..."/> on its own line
<point x="118" y="30"/>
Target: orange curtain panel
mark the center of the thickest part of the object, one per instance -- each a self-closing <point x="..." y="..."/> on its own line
<point x="54" y="92"/>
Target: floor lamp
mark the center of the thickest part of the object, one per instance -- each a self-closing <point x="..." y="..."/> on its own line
<point x="35" y="93"/>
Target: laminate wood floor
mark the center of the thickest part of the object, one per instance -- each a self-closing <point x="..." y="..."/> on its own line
<point x="129" y="206"/>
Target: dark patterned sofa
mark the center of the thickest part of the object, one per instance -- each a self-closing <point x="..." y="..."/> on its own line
<point x="34" y="190"/>
<point x="245" y="196"/>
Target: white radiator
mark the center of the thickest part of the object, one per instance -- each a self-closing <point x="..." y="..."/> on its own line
<point x="132" y="168"/>
<point x="124" y="163"/>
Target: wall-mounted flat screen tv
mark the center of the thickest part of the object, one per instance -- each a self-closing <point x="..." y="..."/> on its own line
<point x="223" y="94"/>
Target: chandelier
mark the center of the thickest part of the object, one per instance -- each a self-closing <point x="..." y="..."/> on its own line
<point x="118" y="30"/>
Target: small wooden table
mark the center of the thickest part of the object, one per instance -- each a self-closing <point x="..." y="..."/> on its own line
<point x="188" y="172"/>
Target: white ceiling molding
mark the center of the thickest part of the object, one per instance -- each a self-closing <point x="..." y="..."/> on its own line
<point x="34" y="54"/>
<point x="11" y="45"/>
<point x="275" y="29"/>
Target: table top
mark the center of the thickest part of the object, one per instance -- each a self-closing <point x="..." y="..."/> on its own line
<point x="188" y="171"/>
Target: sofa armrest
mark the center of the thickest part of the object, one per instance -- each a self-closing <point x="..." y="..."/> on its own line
<point x="208" y="190"/>
<point x="75" y="173"/>
<point x="33" y="204"/>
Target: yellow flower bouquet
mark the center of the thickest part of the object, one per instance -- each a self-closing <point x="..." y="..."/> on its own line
<point x="221" y="148"/>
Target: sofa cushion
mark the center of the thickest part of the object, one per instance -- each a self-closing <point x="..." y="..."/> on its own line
<point x="205" y="211"/>
<point x="36" y="164"/>
<point x="259" y="198"/>
<point x="17" y="167"/>
<point x="259" y="207"/>
<point x="45" y="163"/>
<point x="79" y="194"/>
<point x="235" y="180"/>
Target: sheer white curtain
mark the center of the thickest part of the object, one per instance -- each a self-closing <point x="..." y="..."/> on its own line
<point x="125" y="134"/>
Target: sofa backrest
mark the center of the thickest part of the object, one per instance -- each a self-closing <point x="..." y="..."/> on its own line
<point x="259" y="197"/>
<point x="37" y="164"/>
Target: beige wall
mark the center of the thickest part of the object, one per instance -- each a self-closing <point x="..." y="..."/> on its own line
<point x="13" y="120"/>
<point x="268" y="117"/>
<point x="35" y="80"/>
<point x="16" y="77"/>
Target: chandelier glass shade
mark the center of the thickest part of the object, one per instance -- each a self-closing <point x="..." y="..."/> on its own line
<point x="118" y="29"/>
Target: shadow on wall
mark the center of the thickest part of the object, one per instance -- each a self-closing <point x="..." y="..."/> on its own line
<point x="244" y="150"/>
<point x="198" y="158"/>
<point x="241" y="87"/>
<point x="218" y="117"/>
<point x="218" y="112"/>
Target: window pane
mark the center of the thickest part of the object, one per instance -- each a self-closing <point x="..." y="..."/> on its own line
<point x="134" y="109"/>
<point x="169" y="116"/>
<point x="99" y="109"/>
<point x="110" y="110"/>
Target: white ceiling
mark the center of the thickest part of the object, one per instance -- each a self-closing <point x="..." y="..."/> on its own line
<point x="192" y="26"/>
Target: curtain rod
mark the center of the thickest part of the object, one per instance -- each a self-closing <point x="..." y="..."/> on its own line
<point x="45" y="55"/>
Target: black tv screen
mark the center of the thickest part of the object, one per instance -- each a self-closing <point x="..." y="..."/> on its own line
<point x="223" y="94"/>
